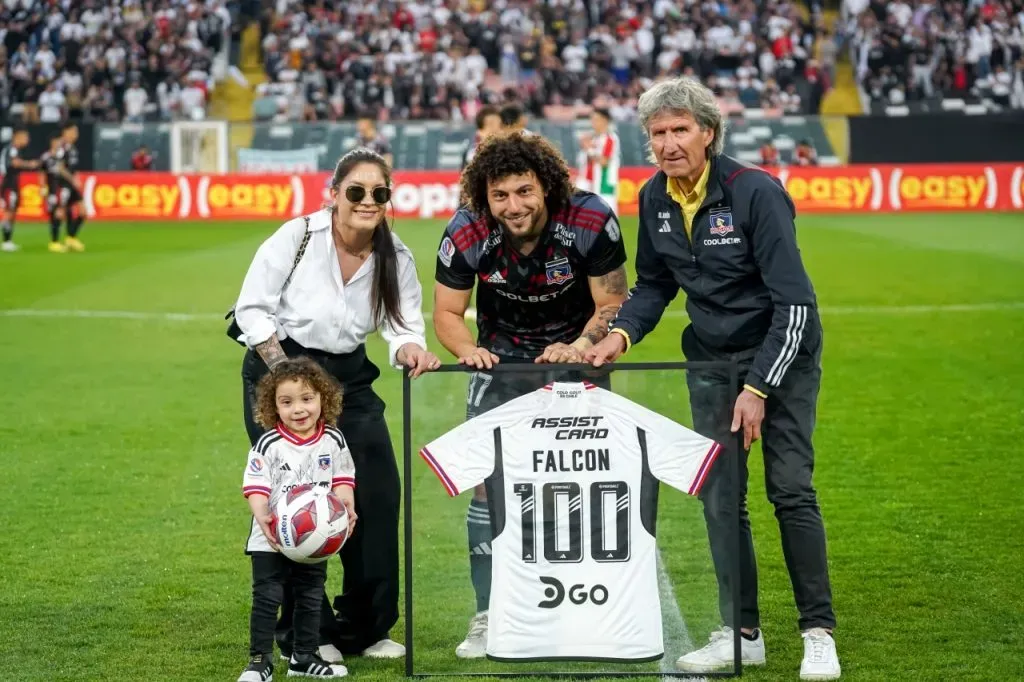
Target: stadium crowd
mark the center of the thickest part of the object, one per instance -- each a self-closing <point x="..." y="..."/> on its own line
<point x="103" y="60"/>
<point x="444" y="59"/>
<point x="911" y="50"/>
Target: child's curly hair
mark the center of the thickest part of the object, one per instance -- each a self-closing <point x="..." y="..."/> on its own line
<point x="298" y="369"/>
<point x="516" y="154"/>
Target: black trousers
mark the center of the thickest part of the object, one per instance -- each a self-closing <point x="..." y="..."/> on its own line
<point x="790" y="413"/>
<point x="274" y="576"/>
<point x="367" y="609"/>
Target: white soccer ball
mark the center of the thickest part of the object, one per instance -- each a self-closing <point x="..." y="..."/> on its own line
<point x="310" y="523"/>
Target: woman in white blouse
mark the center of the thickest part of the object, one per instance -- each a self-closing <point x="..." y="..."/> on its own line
<point x="318" y="287"/>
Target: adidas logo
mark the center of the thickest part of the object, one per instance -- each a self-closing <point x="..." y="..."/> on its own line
<point x="496" y="278"/>
<point x="284" y="467"/>
<point x="664" y="227"/>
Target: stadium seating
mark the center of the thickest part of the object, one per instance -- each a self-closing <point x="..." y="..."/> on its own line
<point x="365" y="63"/>
<point x="958" y="57"/>
<point x="80" y="60"/>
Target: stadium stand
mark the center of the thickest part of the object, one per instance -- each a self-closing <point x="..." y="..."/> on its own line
<point x="93" y="60"/>
<point x="912" y="57"/>
<point x="443" y="60"/>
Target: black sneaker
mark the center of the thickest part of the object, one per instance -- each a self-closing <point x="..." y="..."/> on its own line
<point x="260" y="669"/>
<point x="311" y="665"/>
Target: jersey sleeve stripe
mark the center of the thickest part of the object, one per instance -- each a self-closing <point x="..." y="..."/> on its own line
<point x="794" y="335"/>
<point x="439" y="471"/>
<point x="255" y="489"/>
<point x="591" y="214"/>
<point x="467" y="235"/>
<point x="705" y="467"/>
<point x="266" y="441"/>
<point x="335" y="434"/>
<point x="343" y="480"/>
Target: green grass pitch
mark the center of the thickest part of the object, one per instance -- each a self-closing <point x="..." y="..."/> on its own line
<point x="122" y="444"/>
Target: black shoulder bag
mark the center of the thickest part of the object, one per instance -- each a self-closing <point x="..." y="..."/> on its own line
<point x="234" y="331"/>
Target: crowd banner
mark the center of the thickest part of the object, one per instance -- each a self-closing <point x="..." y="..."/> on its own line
<point x="305" y="160"/>
<point x="435" y="194"/>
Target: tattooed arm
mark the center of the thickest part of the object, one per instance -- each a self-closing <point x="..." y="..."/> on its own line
<point x="271" y="351"/>
<point x="609" y="292"/>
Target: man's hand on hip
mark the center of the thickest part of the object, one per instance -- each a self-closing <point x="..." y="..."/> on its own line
<point x="748" y="415"/>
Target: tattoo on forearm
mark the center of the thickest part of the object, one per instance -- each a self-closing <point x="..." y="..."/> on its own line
<point x="271" y="351"/>
<point x="614" y="282"/>
<point x="598" y="329"/>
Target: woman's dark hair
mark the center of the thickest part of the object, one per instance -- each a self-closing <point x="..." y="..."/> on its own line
<point x="385" y="301"/>
<point x="517" y="154"/>
<point x="297" y="369"/>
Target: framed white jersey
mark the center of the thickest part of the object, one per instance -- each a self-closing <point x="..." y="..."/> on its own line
<point x="572" y="474"/>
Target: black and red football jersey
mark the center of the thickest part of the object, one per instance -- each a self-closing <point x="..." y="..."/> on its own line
<point x="527" y="302"/>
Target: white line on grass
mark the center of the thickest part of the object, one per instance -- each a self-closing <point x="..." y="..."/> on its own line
<point x="676" y="635"/>
<point x="471" y="312"/>
<point x="111" y="314"/>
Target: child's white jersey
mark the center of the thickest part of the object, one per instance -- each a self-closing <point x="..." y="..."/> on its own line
<point x="280" y="460"/>
<point x="572" y="475"/>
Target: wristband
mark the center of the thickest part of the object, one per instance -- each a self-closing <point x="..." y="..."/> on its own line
<point x="624" y="334"/>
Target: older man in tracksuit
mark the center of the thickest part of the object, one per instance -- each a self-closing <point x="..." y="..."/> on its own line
<point x="723" y="232"/>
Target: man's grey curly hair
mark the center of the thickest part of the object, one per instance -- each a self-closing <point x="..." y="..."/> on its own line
<point x="684" y="96"/>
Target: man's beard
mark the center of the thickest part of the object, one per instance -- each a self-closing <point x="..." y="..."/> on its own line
<point x="518" y="241"/>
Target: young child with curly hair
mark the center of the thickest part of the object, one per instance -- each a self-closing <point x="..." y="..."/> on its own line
<point x="297" y="401"/>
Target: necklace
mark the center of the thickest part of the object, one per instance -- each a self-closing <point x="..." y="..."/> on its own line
<point x="361" y="254"/>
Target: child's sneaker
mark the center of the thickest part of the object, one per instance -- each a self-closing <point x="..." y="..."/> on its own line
<point x="311" y="665"/>
<point x="260" y="670"/>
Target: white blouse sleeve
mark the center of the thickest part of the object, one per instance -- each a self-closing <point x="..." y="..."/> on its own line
<point x="256" y="308"/>
<point x="411" y="305"/>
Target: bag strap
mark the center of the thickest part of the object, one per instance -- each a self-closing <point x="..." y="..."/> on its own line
<point x="295" y="263"/>
<point x="298" y="254"/>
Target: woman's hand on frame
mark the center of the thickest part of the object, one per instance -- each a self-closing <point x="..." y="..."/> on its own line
<point x="417" y="359"/>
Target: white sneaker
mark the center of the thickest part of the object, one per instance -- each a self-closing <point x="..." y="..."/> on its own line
<point x="10" y="247"/>
<point x="821" y="662"/>
<point x="330" y="653"/>
<point x="718" y="653"/>
<point x="475" y="644"/>
<point x="385" y="648"/>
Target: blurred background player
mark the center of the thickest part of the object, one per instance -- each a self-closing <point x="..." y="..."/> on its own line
<point x="368" y="136"/>
<point x="74" y="208"/>
<point x="514" y="119"/>
<point x="769" y="154"/>
<point x="142" y="159"/>
<point x="805" y="154"/>
<point x="600" y="157"/>
<point x="54" y="177"/>
<point x="11" y="165"/>
<point x="548" y="262"/>
<point x="488" y="122"/>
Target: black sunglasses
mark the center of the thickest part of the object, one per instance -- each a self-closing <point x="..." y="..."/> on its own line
<point x="355" y="194"/>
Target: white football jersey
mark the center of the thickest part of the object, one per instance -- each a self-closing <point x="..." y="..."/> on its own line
<point x="280" y="460"/>
<point x="602" y="180"/>
<point x="572" y="475"/>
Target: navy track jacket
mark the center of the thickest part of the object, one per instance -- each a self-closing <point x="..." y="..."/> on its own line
<point x="745" y="283"/>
